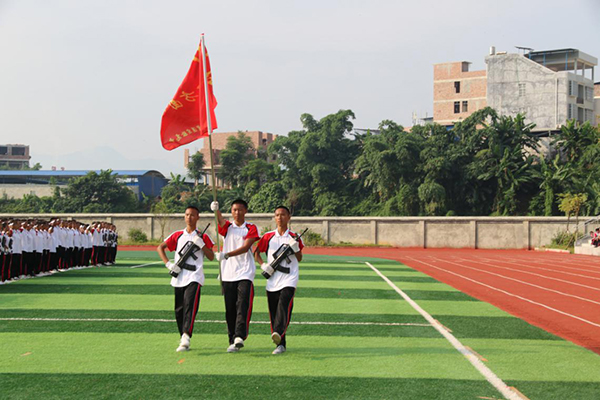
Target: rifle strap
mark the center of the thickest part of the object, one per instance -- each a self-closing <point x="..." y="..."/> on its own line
<point x="189" y="267"/>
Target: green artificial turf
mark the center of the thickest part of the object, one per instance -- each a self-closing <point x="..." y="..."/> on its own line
<point x="337" y="345"/>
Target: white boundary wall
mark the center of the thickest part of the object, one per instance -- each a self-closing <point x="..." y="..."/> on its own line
<point x="424" y="232"/>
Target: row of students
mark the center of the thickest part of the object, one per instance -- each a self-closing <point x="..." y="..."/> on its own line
<point x="237" y="271"/>
<point x="31" y="247"/>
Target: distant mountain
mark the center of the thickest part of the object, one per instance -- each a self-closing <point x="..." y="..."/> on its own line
<point x="104" y="157"/>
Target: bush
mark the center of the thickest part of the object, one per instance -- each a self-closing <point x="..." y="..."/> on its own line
<point x="564" y="239"/>
<point x="136" y="235"/>
<point x="311" y="238"/>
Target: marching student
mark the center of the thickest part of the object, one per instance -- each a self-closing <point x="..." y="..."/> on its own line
<point x="237" y="270"/>
<point x="281" y="286"/>
<point x="189" y="279"/>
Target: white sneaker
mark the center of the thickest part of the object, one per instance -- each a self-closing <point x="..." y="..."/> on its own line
<point x="184" y="344"/>
<point x="238" y="342"/>
<point x="279" y="349"/>
<point x="182" y="348"/>
<point x="232" y="349"/>
<point x="276" y="338"/>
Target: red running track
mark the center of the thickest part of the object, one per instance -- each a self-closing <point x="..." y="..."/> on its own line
<point x="557" y="292"/>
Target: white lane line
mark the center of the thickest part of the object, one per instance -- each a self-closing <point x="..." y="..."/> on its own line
<point x="555" y="261"/>
<point x="143" y="265"/>
<point x="509" y="294"/>
<point x="533" y="273"/>
<point x="561" y="268"/>
<point x="211" y="321"/>
<point x="469" y="355"/>
<point x="516" y="280"/>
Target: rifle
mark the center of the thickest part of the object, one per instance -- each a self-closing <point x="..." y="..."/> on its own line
<point x="283" y="253"/>
<point x="188" y="250"/>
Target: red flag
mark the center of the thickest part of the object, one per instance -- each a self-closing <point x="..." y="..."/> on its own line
<point x="184" y="120"/>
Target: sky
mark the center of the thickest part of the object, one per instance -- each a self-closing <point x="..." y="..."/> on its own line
<point x="85" y="83"/>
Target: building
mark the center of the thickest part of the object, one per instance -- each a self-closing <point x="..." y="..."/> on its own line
<point x="14" y="156"/>
<point x="260" y="140"/>
<point x="597" y="102"/>
<point x="17" y="184"/>
<point x="457" y="92"/>
<point x="548" y="87"/>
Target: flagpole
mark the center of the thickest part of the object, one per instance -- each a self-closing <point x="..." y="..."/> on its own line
<point x="212" y="166"/>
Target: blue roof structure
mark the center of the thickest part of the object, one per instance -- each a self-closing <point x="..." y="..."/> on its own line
<point x="131" y="172"/>
<point x="141" y="182"/>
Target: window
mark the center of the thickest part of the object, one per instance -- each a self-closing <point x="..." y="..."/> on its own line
<point x="18" y="151"/>
<point x="589" y="94"/>
<point x="457" y="87"/>
<point x="3" y="150"/>
<point x="465" y="106"/>
<point x="521" y="89"/>
<point x="572" y="88"/>
<point x="571" y="111"/>
<point x="456" y="107"/>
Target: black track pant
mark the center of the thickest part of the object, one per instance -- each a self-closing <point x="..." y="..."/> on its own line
<point x="27" y="263"/>
<point x="239" y="296"/>
<point x="281" y="303"/>
<point x="16" y="267"/>
<point x="4" y="267"/>
<point x="187" y="300"/>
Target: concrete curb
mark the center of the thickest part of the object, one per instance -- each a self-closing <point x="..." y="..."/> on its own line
<point x="553" y="250"/>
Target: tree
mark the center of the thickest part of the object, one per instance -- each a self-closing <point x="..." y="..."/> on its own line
<point x="161" y="214"/>
<point x="553" y="177"/>
<point x="267" y="198"/>
<point x="238" y="152"/>
<point x="175" y="193"/>
<point x="194" y="168"/>
<point x="503" y="162"/>
<point x="318" y="164"/>
<point x="571" y="204"/>
<point x="388" y="159"/>
<point x="99" y="193"/>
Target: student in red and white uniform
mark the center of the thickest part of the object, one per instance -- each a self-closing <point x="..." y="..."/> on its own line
<point x="188" y="283"/>
<point x="281" y="286"/>
<point x="237" y="270"/>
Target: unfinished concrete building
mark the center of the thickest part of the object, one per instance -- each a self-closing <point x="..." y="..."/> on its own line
<point x="548" y="87"/>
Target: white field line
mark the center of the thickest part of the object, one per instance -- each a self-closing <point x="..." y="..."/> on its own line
<point x="487" y="373"/>
<point x="516" y="280"/>
<point x="509" y="294"/>
<point x="533" y="273"/>
<point x="144" y="265"/>
<point x="558" y="271"/>
<point x="547" y="264"/>
<point x="579" y="262"/>
<point x="211" y="321"/>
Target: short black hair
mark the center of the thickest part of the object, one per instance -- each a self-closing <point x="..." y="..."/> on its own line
<point x="193" y="207"/>
<point x="240" y="201"/>
<point x="285" y="208"/>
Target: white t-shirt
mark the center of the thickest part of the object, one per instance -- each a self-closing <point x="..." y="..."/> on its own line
<point x="17" y="245"/>
<point x="240" y="267"/>
<point x="175" y="242"/>
<point x="269" y="243"/>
